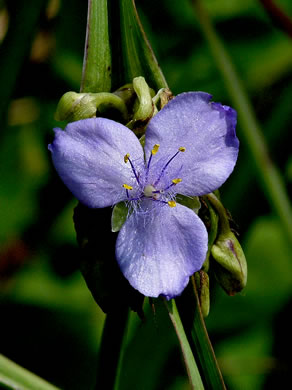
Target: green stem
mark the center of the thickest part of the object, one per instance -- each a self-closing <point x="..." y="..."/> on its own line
<point x="138" y="56"/>
<point x="270" y="178"/>
<point x="111" y="349"/>
<point x="96" y="75"/>
<point x="12" y="376"/>
<point x="203" y="346"/>
<point x="190" y="363"/>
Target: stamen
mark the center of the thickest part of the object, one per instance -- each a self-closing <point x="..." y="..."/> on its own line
<point x="181" y="149"/>
<point x="171" y="203"/>
<point x="127" y="187"/>
<point x="176" y="181"/>
<point x="126" y="157"/>
<point x="155" y="149"/>
<point x="153" y="152"/>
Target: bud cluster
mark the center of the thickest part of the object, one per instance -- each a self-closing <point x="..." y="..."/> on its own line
<point x="227" y="257"/>
<point x="133" y="105"/>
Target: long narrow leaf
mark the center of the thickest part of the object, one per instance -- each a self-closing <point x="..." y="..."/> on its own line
<point x="139" y="59"/>
<point x="116" y="48"/>
<point x="96" y="76"/>
<point x="190" y="363"/>
<point x="208" y="362"/>
<point x="15" y="377"/>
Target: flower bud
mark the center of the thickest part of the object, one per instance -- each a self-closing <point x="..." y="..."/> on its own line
<point x="230" y="264"/>
<point x="230" y="267"/>
<point x="143" y="107"/>
<point x="75" y="106"/>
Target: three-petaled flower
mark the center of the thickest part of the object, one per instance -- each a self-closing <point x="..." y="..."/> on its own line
<point x="190" y="149"/>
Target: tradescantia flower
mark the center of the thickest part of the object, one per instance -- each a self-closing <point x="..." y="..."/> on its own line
<point x="190" y="149"/>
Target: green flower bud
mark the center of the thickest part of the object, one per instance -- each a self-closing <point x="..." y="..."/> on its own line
<point x="143" y="107"/>
<point x="230" y="265"/>
<point x="230" y="268"/>
<point x="75" y="106"/>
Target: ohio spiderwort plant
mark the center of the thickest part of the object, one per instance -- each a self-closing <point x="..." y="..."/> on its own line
<point x="190" y="149"/>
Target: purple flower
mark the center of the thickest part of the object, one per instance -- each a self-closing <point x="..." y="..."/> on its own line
<point x="190" y="149"/>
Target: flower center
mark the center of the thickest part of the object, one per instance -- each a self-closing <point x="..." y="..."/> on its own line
<point x="149" y="190"/>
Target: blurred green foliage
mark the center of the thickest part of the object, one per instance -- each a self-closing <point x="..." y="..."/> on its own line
<point x="49" y="321"/>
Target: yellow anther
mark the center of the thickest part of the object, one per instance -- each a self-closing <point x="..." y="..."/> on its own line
<point x="182" y="149"/>
<point x="126" y="158"/>
<point x="171" y="203"/>
<point x="176" y="181"/>
<point x="155" y="149"/>
<point x="127" y="187"/>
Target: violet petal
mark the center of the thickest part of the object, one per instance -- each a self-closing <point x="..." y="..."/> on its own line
<point x="206" y="130"/>
<point x="89" y="157"/>
<point x="158" y="252"/>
